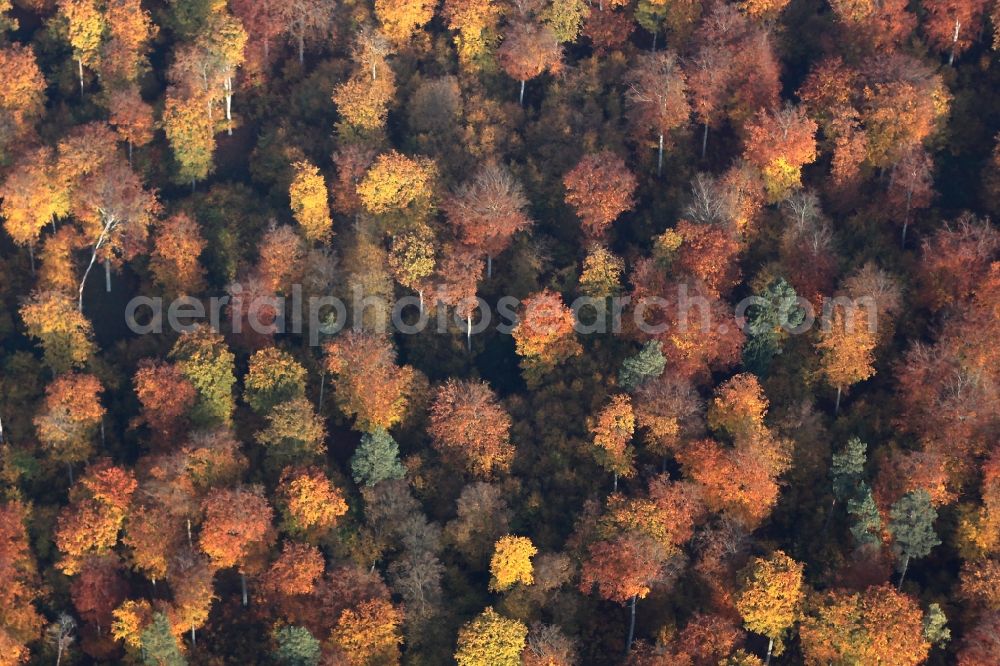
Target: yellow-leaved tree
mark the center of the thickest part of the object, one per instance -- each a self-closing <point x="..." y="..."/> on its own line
<point x="309" y="202"/>
<point x="511" y="563"/>
<point x="490" y="639"/>
<point x="846" y="348"/>
<point x="770" y="600"/>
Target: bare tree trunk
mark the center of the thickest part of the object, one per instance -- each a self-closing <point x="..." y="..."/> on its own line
<point x="93" y="258"/>
<point x="129" y="142"/>
<point x="520" y="100"/>
<point x="59" y="652"/>
<point x="906" y="217"/>
<point x="243" y="588"/>
<point x="770" y="648"/>
<point x="189" y="533"/>
<point x="107" y="275"/>
<point x="468" y="331"/>
<point x="302" y="47"/>
<point x="489" y="266"/>
<point x="31" y="257"/>
<point x="614" y="482"/>
<point x="229" y="105"/>
<point x="194" y="638"/>
<point x="322" y="386"/>
<point x="829" y="516"/>
<point x="659" y="159"/>
<point x="631" y="625"/>
<point x="954" y="43"/>
<point x="704" y="141"/>
<point x="79" y="62"/>
<point x="836" y="409"/>
<point x="420" y="293"/>
<point x="69" y="468"/>
<point x="902" y="574"/>
<point x="654" y="42"/>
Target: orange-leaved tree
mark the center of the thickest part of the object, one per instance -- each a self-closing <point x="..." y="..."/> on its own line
<point x="99" y="504"/>
<point x="613" y="428"/>
<point x="369" y="386"/>
<point x="657" y="96"/>
<point x="845" y="349"/>
<point x="71" y="413"/>
<point x="236" y="528"/>
<point x="780" y="143"/>
<point x="467" y="421"/>
<point x="310" y="504"/>
<point x="529" y="49"/>
<point x="544" y="334"/>
<point x="600" y="188"/>
<point x="488" y="210"/>
<point x="877" y="625"/>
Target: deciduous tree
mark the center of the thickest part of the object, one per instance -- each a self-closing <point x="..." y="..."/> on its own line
<point x="544" y="335"/>
<point x="131" y="117"/>
<point x="20" y="623"/>
<point x="511" y="563"/>
<point x="475" y="22"/>
<point x="780" y="143"/>
<point x="528" y="50"/>
<point x="174" y="261"/>
<point x="873" y="626"/>
<point x="467" y="421"/>
<point x="309" y="502"/>
<point x="397" y="184"/>
<point x="66" y="336"/>
<point x="70" y="416"/>
<point x="911" y="184"/>
<point x="600" y="188"/>
<point x="488" y="210"/>
<point x="369" y="633"/>
<point x="89" y="526"/>
<point x="130" y="32"/>
<point x="166" y="397"/>
<point x="191" y="135"/>
<point x="954" y="25"/>
<point x="274" y="376"/>
<point x="204" y="359"/>
<point x="236" y="521"/>
<point x="846" y="349"/>
<point x="85" y="25"/>
<point x="490" y="638"/>
<point x="308" y="194"/>
<point x="401" y="19"/>
<point x="657" y="95"/>
<point x="33" y="196"/>
<point x="771" y="598"/>
<point x="370" y="387"/>
<point x="613" y="428"/>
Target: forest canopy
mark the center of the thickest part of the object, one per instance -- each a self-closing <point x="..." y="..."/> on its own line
<point x="499" y="332"/>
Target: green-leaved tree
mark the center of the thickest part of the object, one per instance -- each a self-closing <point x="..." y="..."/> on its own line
<point x="912" y="526"/>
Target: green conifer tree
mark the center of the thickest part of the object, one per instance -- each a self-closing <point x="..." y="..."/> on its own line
<point x="376" y="459"/>
<point x="912" y="526"/>
<point x="647" y="364"/>
<point x="159" y="645"/>
<point x="296" y="646"/>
